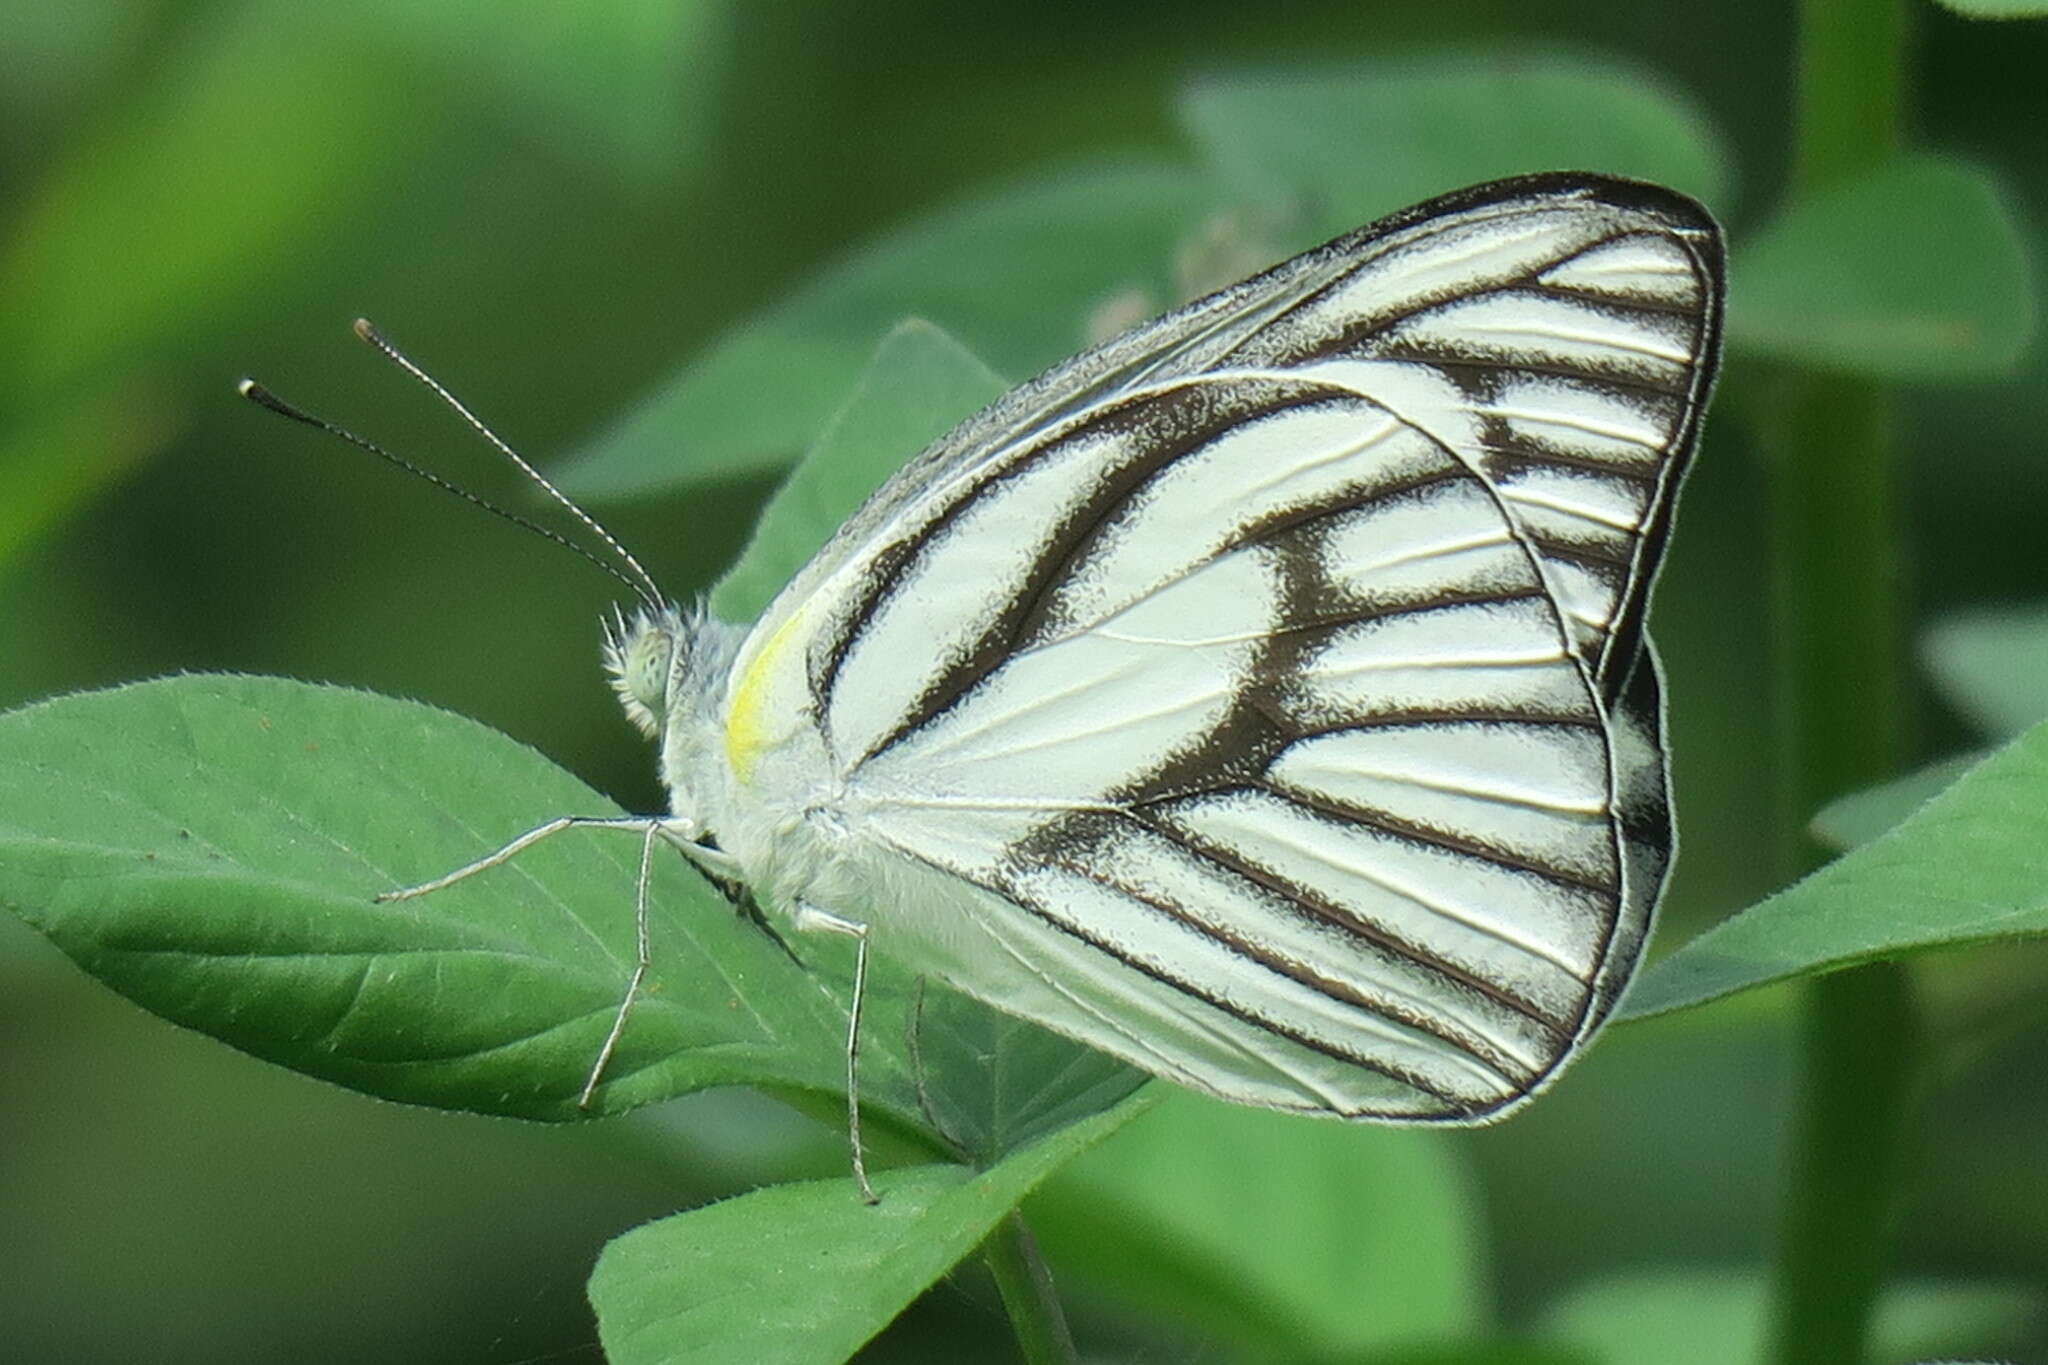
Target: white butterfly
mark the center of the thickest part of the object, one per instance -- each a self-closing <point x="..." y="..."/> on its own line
<point x="1261" y="696"/>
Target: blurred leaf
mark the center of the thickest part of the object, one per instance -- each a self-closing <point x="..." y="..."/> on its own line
<point x="1861" y="816"/>
<point x="1014" y="271"/>
<point x="188" y="197"/>
<point x="1991" y="664"/>
<point x="1917" y="270"/>
<point x="634" y="85"/>
<point x="1693" y="1317"/>
<point x="209" y="847"/>
<point x="1998" y="9"/>
<point x="1350" y="144"/>
<point x="1291" y="1237"/>
<point x="67" y="452"/>
<point x="1970" y="866"/>
<point x="807" y="1272"/>
<point x="50" y="55"/>
<point x="918" y="384"/>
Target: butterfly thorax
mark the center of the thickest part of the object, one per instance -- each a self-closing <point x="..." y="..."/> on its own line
<point x="668" y="667"/>
<point x="739" y="775"/>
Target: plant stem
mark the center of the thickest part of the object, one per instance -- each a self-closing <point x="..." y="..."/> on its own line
<point x="1026" y="1287"/>
<point x="1852" y="84"/>
<point x="1856" y="1047"/>
<point x="1836" y="593"/>
<point x="1839" y="622"/>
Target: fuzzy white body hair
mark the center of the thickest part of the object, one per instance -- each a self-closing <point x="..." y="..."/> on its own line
<point x="796" y="829"/>
<point x="788" y="828"/>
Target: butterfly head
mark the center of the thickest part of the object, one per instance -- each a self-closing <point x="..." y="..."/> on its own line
<point x="644" y="654"/>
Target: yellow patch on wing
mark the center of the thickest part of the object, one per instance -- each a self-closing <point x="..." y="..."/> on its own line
<point x="747" y="721"/>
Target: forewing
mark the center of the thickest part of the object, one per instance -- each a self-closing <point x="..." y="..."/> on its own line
<point x="1560" y="332"/>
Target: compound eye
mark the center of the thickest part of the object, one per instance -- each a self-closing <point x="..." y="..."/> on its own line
<point x="646" y="669"/>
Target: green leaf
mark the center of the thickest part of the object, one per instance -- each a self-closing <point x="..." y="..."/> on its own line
<point x="1991" y="664"/>
<point x="1292" y="1238"/>
<point x="1693" y="1317"/>
<point x="918" y="384"/>
<point x="209" y="847"/>
<point x="66" y="452"/>
<point x="995" y="1082"/>
<point x="1016" y="271"/>
<point x="807" y="1272"/>
<point x="1998" y="9"/>
<point x="1917" y="270"/>
<point x="1861" y="816"/>
<point x="1967" y="867"/>
<point x="51" y="54"/>
<point x="1346" y="145"/>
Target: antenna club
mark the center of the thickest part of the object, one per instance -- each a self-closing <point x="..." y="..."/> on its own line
<point x="264" y="398"/>
<point x="365" y="329"/>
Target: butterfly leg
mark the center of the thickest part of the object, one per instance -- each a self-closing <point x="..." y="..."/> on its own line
<point x="810" y="917"/>
<point x="647" y="823"/>
<point x="650" y="828"/>
<point x="643" y="958"/>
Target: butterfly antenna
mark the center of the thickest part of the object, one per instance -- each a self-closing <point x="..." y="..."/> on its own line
<point x="642" y="581"/>
<point x="264" y="398"/>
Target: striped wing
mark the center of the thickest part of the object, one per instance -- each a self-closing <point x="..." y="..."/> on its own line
<point x="1559" y="331"/>
<point x="1271" y="674"/>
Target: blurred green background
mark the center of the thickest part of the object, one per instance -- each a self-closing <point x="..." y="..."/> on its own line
<point x="553" y="207"/>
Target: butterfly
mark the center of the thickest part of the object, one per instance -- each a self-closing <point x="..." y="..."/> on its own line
<point x="1261" y="696"/>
